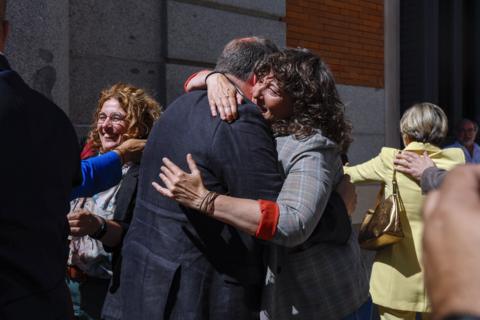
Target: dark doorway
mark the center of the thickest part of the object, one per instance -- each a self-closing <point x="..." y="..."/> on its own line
<point x="440" y="56"/>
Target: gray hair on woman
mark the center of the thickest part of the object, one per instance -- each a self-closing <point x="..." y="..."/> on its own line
<point x="424" y="122"/>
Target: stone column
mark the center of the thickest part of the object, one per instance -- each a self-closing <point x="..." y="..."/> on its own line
<point x="38" y="46"/>
<point x="392" y="72"/>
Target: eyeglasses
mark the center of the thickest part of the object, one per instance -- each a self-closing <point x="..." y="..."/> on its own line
<point x="467" y="130"/>
<point x="115" y="118"/>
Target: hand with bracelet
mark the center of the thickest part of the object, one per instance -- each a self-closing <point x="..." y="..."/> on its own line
<point x="223" y="96"/>
<point x="85" y="223"/>
<point x="188" y="189"/>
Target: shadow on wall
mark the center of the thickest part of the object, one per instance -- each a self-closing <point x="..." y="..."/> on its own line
<point x="44" y="78"/>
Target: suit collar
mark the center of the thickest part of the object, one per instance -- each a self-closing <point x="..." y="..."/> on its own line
<point x="4" y="63"/>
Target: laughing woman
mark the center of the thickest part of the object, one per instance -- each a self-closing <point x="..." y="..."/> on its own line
<point x="98" y="223"/>
<point x="304" y="280"/>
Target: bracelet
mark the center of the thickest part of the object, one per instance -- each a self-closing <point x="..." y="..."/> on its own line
<point x="207" y="206"/>
<point x="97" y="235"/>
<point x="211" y="73"/>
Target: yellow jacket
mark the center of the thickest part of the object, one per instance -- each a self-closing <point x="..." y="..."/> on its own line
<point x="397" y="276"/>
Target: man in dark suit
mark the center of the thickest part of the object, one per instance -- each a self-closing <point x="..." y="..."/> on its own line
<point x="179" y="264"/>
<point x="40" y="163"/>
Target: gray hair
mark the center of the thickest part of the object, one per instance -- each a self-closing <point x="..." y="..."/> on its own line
<point x="424" y="122"/>
<point x="240" y="56"/>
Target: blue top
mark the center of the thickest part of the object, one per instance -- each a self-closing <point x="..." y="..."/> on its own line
<point x="99" y="173"/>
<point x="468" y="157"/>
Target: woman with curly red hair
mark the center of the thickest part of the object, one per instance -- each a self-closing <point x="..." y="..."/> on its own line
<point x="98" y="224"/>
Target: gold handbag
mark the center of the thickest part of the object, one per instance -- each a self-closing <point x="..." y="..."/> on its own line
<point x="381" y="226"/>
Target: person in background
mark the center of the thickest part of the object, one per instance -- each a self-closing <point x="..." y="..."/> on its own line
<point x="98" y="223"/>
<point x="451" y="242"/>
<point x="466" y="133"/>
<point x="396" y="283"/>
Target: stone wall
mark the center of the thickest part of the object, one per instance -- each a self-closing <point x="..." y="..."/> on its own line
<point x="71" y="50"/>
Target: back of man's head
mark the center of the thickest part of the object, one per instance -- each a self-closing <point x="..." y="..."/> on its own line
<point x="239" y="56"/>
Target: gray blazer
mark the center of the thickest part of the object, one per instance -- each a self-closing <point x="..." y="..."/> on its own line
<point x="432" y="178"/>
<point x="322" y="281"/>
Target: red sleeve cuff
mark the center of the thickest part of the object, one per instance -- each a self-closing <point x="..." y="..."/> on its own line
<point x="188" y="80"/>
<point x="268" y="220"/>
<point x="87" y="150"/>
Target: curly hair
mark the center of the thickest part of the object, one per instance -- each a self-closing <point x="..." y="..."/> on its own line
<point x="306" y="79"/>
<point x="142" y="111"/>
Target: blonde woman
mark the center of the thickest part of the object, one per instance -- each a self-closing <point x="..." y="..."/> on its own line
<point x="396" y="284"/>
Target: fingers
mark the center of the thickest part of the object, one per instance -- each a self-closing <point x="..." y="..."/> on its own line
<point x="232" y="101"/>
<point x="77" y="214"/>
<point x="167" y="181"/>
<point x="76" y="232"/>
<point x="72" y="215"/>
<point x="192" y="165"/>
<point x="406" y="157"/>
<point x="168" y="174"/>
<point x="163" y="191"/>
<point x="239" y="99"/>
<point x="403" y="169"/>
<point x="213" y="105"/>
<point x="226" y="108"/>
<point x="172" y="167"/>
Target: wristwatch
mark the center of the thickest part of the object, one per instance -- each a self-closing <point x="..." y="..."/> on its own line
<point x="97" y="235"/>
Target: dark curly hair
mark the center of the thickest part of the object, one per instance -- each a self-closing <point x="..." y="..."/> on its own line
<point x="306" y="79"/>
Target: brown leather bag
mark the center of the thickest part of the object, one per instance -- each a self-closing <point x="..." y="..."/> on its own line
<point x="381" y="226"/>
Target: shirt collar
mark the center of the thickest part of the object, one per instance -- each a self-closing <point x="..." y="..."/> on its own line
<point x="420" y="146"/>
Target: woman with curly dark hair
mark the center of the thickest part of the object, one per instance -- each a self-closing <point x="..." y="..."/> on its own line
<point x="306" y="278"/>
<point x="311" y="89"/>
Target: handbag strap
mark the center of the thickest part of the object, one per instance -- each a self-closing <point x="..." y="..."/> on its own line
<point x="394" y="181"/>
<point x="395" y="191"/>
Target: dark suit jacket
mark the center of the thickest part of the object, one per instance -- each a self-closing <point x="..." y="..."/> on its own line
<point x="165" y="238"/>
<point x="40" y="163"/>
<point x="125" y="204"/>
